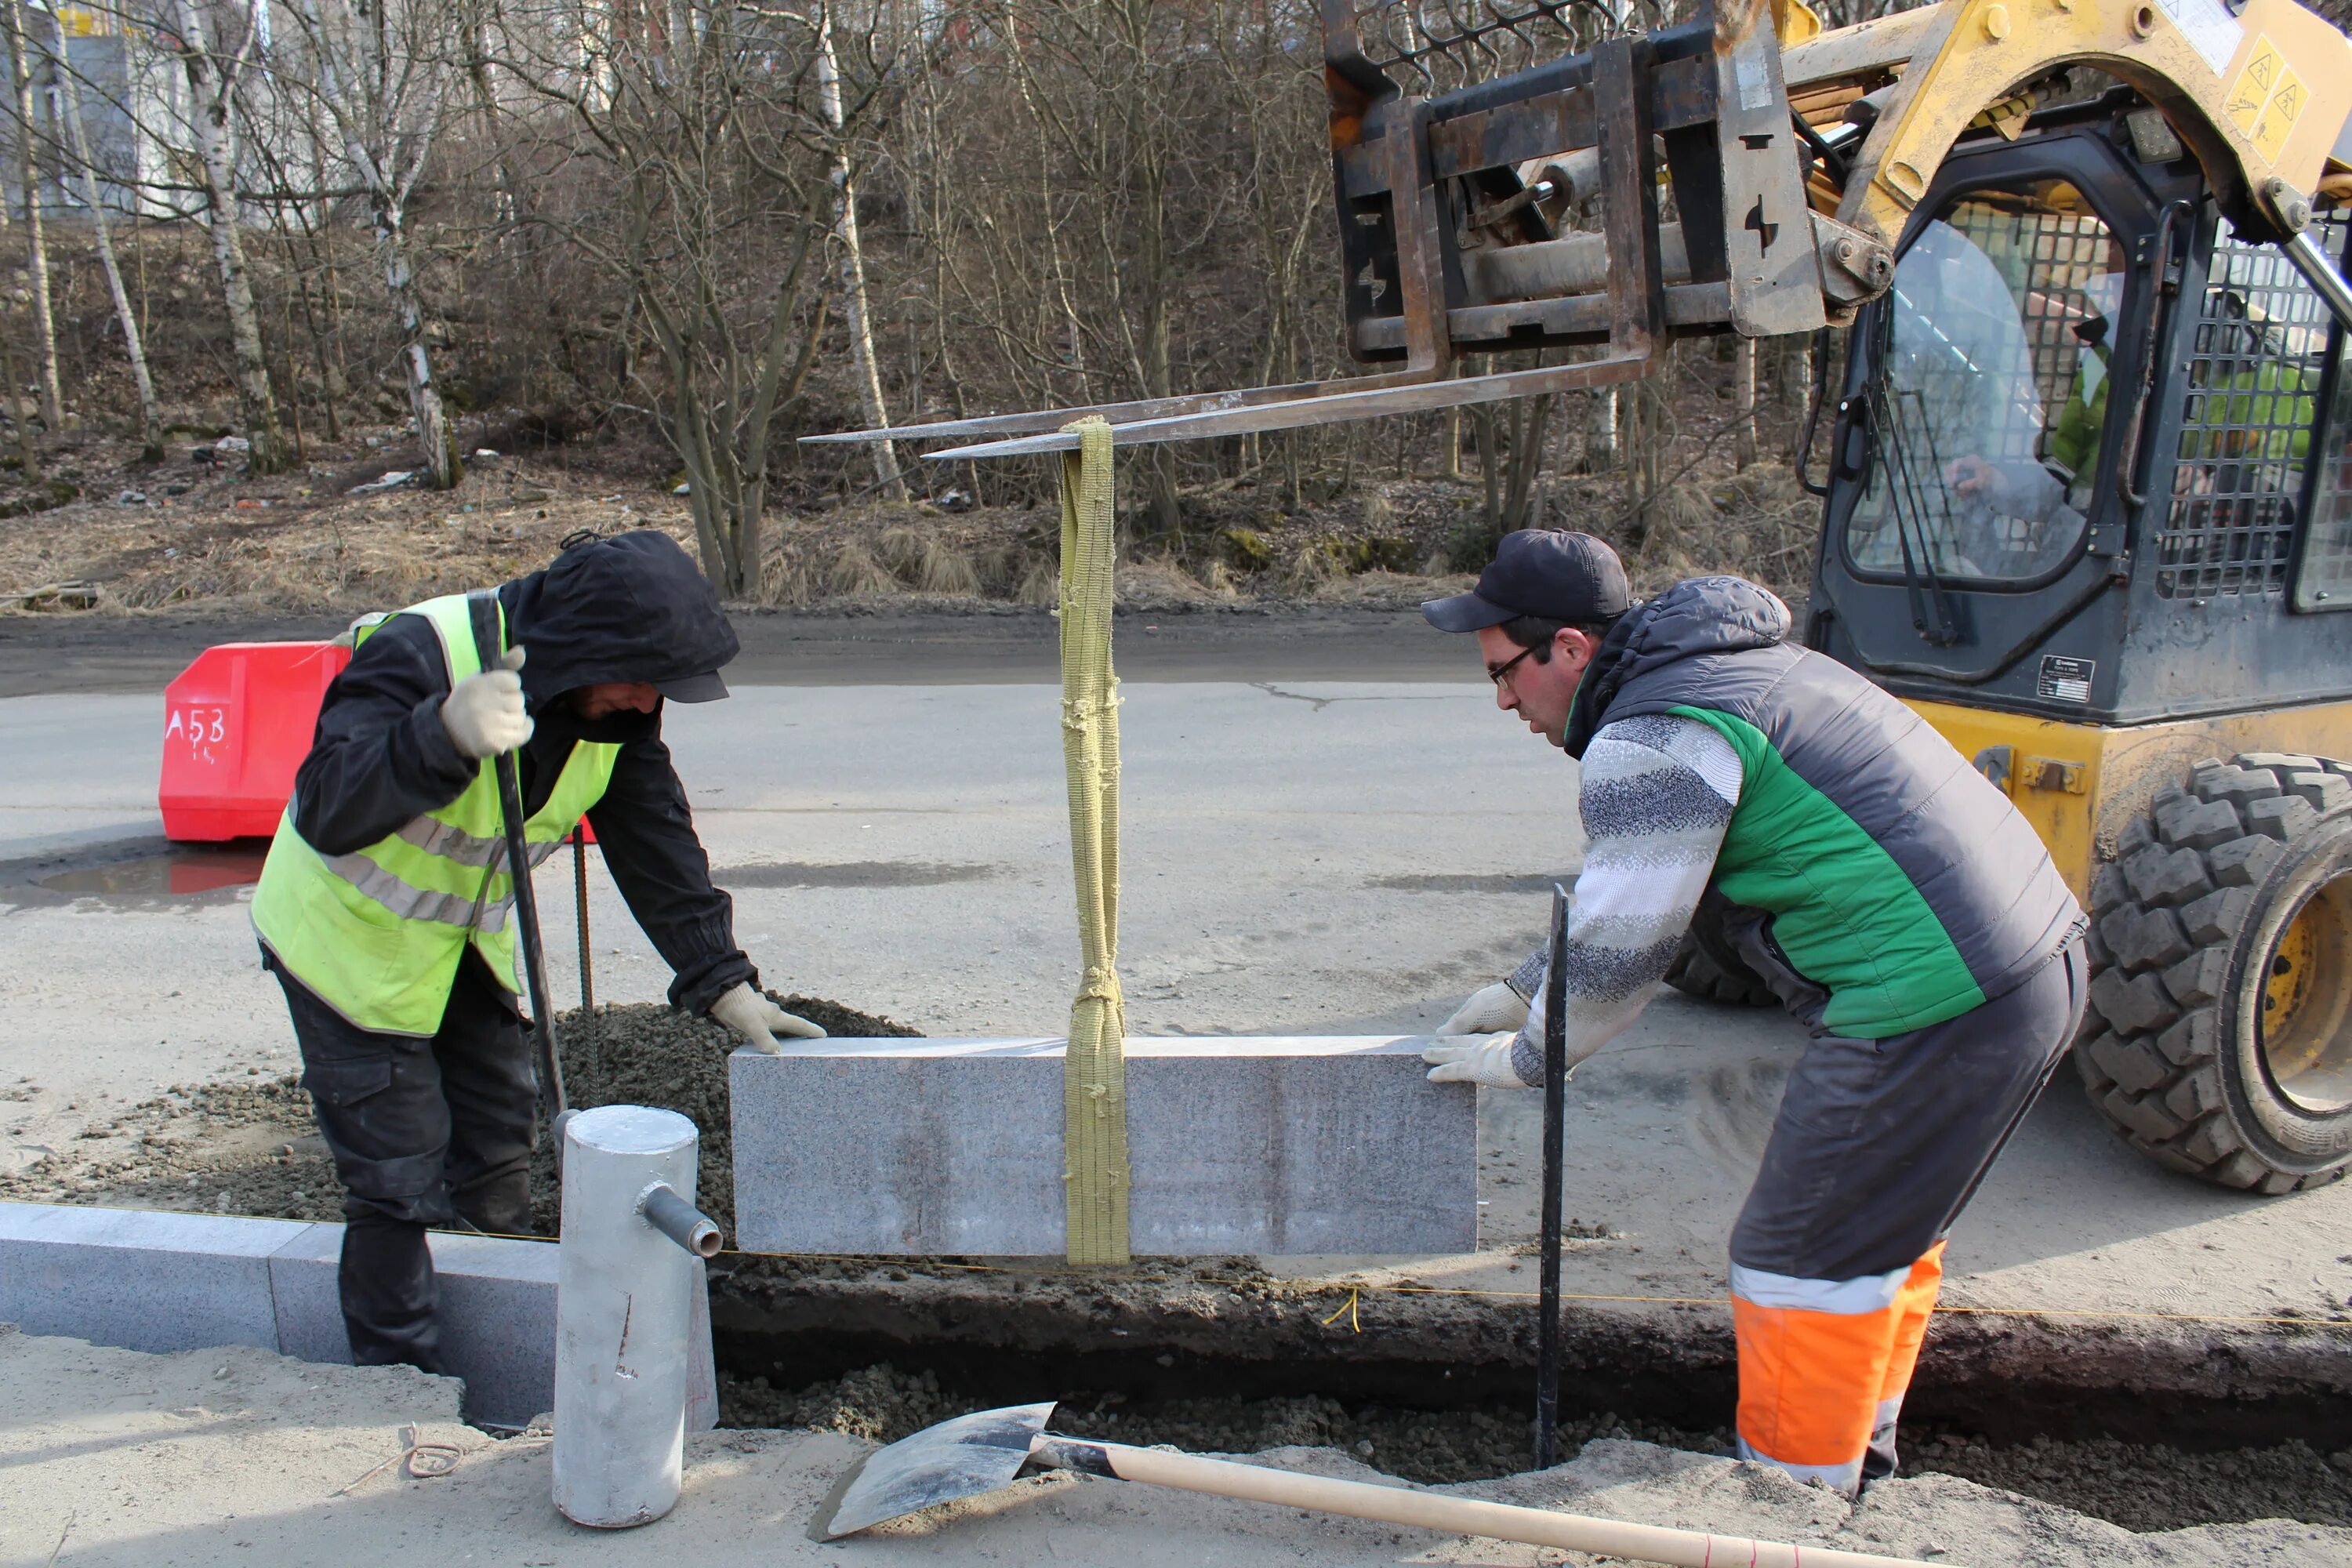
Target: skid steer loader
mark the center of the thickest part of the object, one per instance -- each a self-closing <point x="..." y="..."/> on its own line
<point x="2088" y="469"/>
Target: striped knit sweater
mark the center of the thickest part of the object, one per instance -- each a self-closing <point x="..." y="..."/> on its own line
<point x="1657" y="794"/>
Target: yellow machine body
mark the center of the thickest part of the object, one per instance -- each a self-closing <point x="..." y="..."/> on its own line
<point x="2259" y="93"/>
<point x="2081" y="784"/>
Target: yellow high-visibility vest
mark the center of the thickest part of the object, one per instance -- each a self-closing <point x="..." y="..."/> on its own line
<point x="377" y="933"/>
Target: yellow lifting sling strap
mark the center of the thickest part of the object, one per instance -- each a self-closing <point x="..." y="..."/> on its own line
<point x="1094" y="1073"/>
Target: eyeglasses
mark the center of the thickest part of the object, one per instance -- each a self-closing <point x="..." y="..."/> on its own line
<point x="1500" y="672"/>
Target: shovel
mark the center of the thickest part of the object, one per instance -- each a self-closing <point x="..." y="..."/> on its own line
<point x="483" y="608"/>
<point x="979" y="1453"/>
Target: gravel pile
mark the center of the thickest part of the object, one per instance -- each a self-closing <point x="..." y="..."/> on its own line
<point x="642" y="1053"/>
<point x="242" y="1146"/>
<point x="2145" y="1486"/>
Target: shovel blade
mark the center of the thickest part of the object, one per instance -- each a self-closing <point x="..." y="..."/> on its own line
<point x="959" y="1458"/>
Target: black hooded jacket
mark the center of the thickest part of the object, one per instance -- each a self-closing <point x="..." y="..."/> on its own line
<point x="628" y="609"/>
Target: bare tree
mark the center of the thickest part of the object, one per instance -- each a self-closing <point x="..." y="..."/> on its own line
<point x="856" y="312"/>
<point x="701" y="145"/>
<point x="44" y="330"/>
<point x="212" y="90"/>
<point x="382" y="85"/>
<point x="151" y="413"/>
<point x="1743" y="403"/>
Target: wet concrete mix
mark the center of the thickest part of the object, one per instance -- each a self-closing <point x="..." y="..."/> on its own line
<point x="248" y="1146"/>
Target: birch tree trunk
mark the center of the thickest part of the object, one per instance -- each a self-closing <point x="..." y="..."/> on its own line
<point x="151" y="413"/>
<point x="1797" y="385"/>
<point x="1599" y="430"/>
<point x="387" y="104"/>
<point x="212" y="89"/>
<point x="1743" y="404"/>
<point x="433" y="435"/>
<point x="856" y="314"/>
<point x="45" y="329"/>
<point x="28" y="452"/>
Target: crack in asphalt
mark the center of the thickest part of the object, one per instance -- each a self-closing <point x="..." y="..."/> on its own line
<point x="1271" y="689"/>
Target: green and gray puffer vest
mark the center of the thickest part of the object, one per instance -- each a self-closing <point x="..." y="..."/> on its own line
<point x="1866" y="851"/>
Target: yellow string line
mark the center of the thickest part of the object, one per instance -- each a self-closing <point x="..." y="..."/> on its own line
<point x="1355" y="1290"/>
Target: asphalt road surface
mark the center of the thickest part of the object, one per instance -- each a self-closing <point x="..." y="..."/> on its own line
<point x="1326" y="831"/>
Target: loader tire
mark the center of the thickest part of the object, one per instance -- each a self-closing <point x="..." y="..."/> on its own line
<point x="1695" y="973"/>
<point x="2219" y="1037"/>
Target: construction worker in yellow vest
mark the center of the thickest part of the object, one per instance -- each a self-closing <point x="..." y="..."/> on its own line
<point x="386" y="912"/>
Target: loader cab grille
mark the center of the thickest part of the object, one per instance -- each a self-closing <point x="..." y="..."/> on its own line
<point x="2256" y="357"/>
<point x="1433" y="46"/>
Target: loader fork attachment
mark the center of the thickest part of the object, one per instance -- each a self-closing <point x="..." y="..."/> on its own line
<point x="1496" y="168"/>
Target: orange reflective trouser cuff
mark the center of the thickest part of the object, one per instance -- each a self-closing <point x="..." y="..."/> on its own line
<point x="1824" y="1365"/>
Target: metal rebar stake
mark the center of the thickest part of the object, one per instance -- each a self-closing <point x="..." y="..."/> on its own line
<point x="580" y="897"/>
<point x="534" y="962"/>
<point x="483" y="610"/>
<point x="1554" y="1089"/>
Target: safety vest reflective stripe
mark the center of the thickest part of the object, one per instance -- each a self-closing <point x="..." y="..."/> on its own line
<point x="414" y="903"/>
<point x="409" y="901"/>
<point x="447" y="841"/>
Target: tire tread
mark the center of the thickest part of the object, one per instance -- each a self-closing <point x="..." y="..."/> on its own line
<point x="2164" y="913"/>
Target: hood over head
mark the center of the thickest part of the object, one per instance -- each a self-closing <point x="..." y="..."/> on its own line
<point x="631" y="608"/>
<point x="1697" y="615"/>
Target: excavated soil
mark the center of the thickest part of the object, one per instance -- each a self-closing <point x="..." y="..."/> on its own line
<point x="249" y="1146"/>
<point x="647" y="1054"/>
<point x="2143" y="1486"/>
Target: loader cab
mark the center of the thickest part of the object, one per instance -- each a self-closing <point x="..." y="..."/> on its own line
<point x="2090" y="453"/>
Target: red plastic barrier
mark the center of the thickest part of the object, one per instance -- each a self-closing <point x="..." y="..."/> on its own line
<point x="236" y="723"/>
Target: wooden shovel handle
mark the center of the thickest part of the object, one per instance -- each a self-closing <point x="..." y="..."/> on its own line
<point x="1433" y="1511"/>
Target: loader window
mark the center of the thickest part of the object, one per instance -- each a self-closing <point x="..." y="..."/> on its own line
<point x="2256" y="357"/>
<point x="1988" y="400"/>
<point x="2325" y="579"/>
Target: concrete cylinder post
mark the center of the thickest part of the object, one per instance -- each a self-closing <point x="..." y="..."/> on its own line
<point x="623" y="1307"/>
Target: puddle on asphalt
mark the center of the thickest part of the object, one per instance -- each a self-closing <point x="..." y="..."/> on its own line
<point x="849" y="874"/>
<point x="177" y="874"/>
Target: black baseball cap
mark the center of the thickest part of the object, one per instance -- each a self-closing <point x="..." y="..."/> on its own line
<point x="704" y="688"/>
<point x="1539" y="572"/>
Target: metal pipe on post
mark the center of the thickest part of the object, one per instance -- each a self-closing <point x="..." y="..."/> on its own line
<point x="679" y="1220"/>
<point x="1555" y="1131"/>
<point x="625" y="1313"/>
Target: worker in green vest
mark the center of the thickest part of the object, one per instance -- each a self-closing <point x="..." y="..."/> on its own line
<point x="386" y="912"/>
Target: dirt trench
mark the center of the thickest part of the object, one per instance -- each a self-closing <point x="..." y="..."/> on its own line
<point x="1212" y="1354"/>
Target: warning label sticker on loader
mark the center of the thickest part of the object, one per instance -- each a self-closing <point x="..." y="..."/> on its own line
<point x="2066" y="679"/>
<point x="2266" y="98"/>
<point x="2209" y="28"/>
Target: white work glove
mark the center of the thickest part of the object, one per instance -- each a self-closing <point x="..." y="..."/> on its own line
<point x="484" y="713"/>
<point x="1497" y="1006"/>
<point x="759" y="1020"/>
<point x="1472" y="1059"/>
